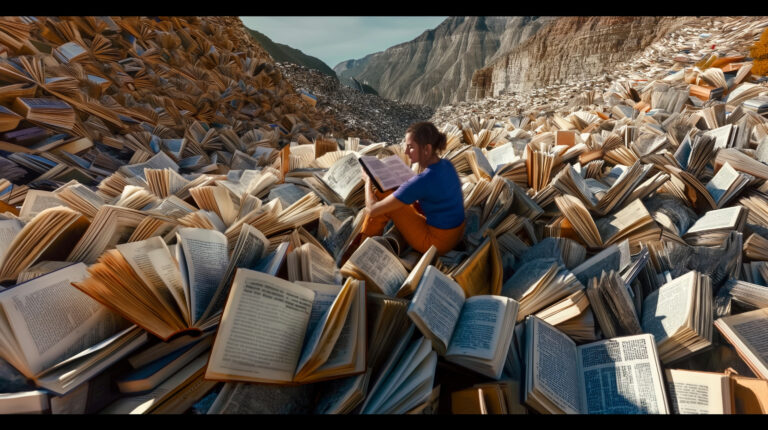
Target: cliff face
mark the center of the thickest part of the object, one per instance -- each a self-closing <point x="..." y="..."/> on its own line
<point x="569" y="48"/>
<point x="436" y="68"/>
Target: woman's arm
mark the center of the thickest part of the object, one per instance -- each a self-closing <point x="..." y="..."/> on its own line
<point x="376" y="207"/>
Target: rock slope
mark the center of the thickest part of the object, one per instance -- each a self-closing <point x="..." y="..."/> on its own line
<point x="570" y="48"/>
<point x="361" y="115"/>
<point x="436" y="68"/>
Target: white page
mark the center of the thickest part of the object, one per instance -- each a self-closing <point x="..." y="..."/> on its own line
<point x="262" y="329"/>
<point x="344" y="175"/>
<point x="53" y="320"/>
<point x="380" y="265"/>
<point x="479" y="327"/>
<point x="37" y="201"/>
<point x="555" y="371"/>
<point x="9" y="228"/>
<point x="696" y="392"/>
<point x="621" y="376"/>
<point x="437" y="302"/>
<point x="716" y="219"/>
<point x="666" y="310"/>
<point x="205" y="252"/>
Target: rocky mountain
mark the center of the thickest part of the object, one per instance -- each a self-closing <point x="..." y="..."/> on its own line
<point x="284" y="53"/>
<point x="570" y="48"/>
<point x="436" y="68"/>
<point x="360" y="114"/>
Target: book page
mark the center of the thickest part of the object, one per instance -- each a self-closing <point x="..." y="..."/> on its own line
<point x="666" y="310"/>
<point x="9" y="228"/>
<point x="380" y="265"/>
<point x="389" y="172"/>
<point x="606" y="260"/>
<point x="205" y="252"/>
<point x="693" y="392"/>
<point x="320" y="266"/>
<point x="501" y="155"/>
<point x="479" y="327"/>
<point x="344" y="175"/>
<point x="51" y="320"/>
<point x="555" y="371"/>
<point x="621" y="376"/>
<point x="325" y="294"/>
<point x="137" y="255"/>
<point x="346" y="344"/>
<point x="37" y="201"/>
<point x="250" y="247"/>
<point x="160" y="161"/>
<point x="437" y="304"/>
<point x="750" y="337"/>
<point x="716" y="219"/>
<point x="482" y="272"/>
<point x="262" y="329"/>
<point x="722" y="181"/>
<point x="617" y="223"/>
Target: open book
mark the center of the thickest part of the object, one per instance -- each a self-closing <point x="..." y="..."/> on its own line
<point x="165" y="295"/>
<point x="679" y="316"/>
<point x="279" y="332"/>
<point x="474" y="332"/>
<point x="57" y="336"/>
<point x="695" y="392"/>
<point x="47" y="236"/>
<point x="746" y="332"/>
<point x="380" y="268"/>
<point x="613" y="376"/>
<point x="386" y="173"/>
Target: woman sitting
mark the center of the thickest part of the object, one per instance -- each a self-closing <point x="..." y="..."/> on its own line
<point x="428" y="209"/>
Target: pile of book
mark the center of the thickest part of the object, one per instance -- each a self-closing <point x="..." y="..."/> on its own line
<point x="82" y="96"/>
<point x="614" y="261"/>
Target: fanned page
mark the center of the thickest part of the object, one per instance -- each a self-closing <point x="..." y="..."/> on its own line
<point x="205" y="252"/>
<point x="262" y="329"/>
<point x="621" y="376"/>
<point x="251" y="246"/>
<point x="436" y="306"/>
<point x="144" y="256"/>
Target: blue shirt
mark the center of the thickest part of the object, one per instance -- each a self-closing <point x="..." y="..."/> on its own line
<point x="438" y="191"/>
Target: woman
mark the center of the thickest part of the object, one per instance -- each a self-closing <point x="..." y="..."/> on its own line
<point x="439" y="217"/>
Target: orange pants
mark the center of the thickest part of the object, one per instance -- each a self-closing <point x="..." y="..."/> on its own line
<point x="414" y="228"/>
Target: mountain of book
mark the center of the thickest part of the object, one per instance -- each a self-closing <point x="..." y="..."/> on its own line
<point x="178" y="227"/>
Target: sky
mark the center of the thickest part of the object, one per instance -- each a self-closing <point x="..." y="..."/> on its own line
<point x="334" y="39"/>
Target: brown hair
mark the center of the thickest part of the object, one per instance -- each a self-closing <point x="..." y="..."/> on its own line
<point x="425" y="133"/>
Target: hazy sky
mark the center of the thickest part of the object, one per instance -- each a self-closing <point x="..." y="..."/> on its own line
<point x="334" y="39"/>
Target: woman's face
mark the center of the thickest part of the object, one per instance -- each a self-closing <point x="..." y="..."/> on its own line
<point x="416" y="152"/>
